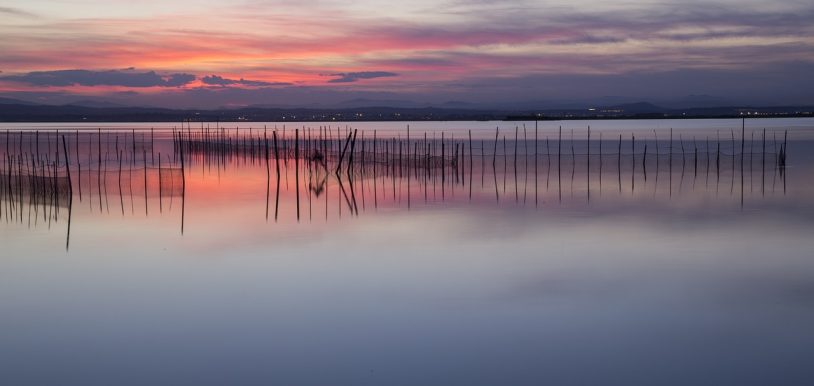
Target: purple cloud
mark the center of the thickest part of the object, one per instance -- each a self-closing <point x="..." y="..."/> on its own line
<point x="347" y="77"/>
<point x="215" y="80"/>
<point x="127" y="78"/>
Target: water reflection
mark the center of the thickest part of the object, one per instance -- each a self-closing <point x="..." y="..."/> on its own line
<point x="320" y="171"/>
<point x="214" y="257"/>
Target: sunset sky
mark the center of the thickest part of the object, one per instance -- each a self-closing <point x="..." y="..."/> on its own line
<point x="187" y="53"/>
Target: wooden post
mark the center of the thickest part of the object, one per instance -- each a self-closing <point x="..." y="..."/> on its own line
<point x="670" y="156"/>
<point x="763" y="157"/>
<point x="342" y="153"/>
<point x="67" y="166"/>
<point x="99" y="166"/>
<point x="559" y="147"/>
<point x="494" y="153"/>
<point x="350" y="159"/>
<point x="536" y="179"/>
<point x="644" y="159"/>
<point x="121" y="196"/>
<point x="588" y="157"/>
<point x="160" y="197"/>
<point x="268" y="171"/>
<point x="297" y="168"/>
<point x="707" y="150"/>
<point x="144" y="156"/>
<point x="516" y="129"/>
<point x="470" y="154"/>
<point x="277" y="163"/>
<point x="718" y="154"/>
<point x="743" y="139"/>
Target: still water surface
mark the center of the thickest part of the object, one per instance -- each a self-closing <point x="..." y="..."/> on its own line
<point x="552" y="269"/>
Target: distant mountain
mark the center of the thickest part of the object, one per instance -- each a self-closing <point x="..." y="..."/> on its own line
<point x="10" y="101"/>
<point x="94" y="103"/>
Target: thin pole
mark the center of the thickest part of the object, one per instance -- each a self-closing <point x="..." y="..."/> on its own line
<point x="144" y="156"/>
<point x="494" y="153"/>
<point x="297" y="168"/>
<point x="67" y="166"/>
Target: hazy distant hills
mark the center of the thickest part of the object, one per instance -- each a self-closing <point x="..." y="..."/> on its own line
<point x="12" y="110"/>
<point x="94" y="103"/>
<point x="9" y="101"/>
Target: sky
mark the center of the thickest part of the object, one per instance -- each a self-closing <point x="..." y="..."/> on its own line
<point x="523" y="54"/>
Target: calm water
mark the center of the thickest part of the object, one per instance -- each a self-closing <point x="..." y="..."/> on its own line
<point x="525" y="267"/>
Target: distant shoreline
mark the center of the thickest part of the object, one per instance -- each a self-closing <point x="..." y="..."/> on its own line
<point x="507" y="119"/>
<point x="24" y="113"/>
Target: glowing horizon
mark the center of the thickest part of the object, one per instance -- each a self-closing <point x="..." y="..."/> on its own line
<point x="311" y="51"/>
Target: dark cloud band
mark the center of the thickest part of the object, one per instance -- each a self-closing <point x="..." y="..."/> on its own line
<point x="126" y="78"/>
<point x="215" y="80"/>
<point x="347" y="77"/>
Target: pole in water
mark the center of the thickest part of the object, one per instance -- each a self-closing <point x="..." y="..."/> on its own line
<point x="763" y="165"/>
<point x="277" y="163"/>
<point x="67" y="166"/>
<point x="632" y="158"/>
<point x="743" y="139"/>
<point x="619" y="163"/>
<point x="470" y="154"/>
<point x="516" y="129"/>
<point x="144" y="154"/>
<point x="70" y="192"/>
<point x="297" y="168"/>
<point x="160" y="200"/>
<point x="268" y="172"/>
<point x="119" y="157"/>
<point x="559" y="147"/>
<point x="152" y="147"/>
<point x="494" y="153"/>
<point x="350" y="158"/>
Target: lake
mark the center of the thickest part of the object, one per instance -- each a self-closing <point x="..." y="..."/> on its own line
<point x="245" y="253"/>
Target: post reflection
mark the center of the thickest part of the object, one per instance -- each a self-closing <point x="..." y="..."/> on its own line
<point x="43" y="175"/>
